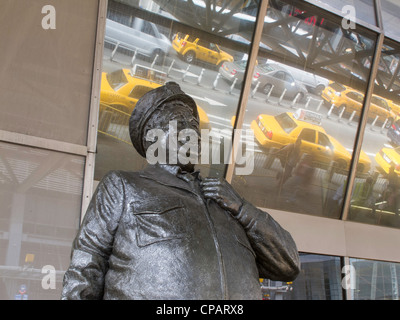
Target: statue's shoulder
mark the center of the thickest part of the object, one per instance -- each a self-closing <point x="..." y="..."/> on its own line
<point x="122" y="175"/>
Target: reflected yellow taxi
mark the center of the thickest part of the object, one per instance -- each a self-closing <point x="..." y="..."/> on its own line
<point x="347" y="99"/>
<point x="395" y="107"/>
<point x="280" y="130"/>
<point x="121" y="89"/>
<point x="386" y="157"/>
<point x="192" y="49"/>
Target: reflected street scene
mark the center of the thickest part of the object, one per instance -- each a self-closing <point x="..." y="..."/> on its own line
<point x="308" y="89"/>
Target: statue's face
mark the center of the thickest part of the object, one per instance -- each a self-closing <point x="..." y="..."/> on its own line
<point x="172" y="118"/>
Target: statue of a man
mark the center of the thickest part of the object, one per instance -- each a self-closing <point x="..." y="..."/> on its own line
<point x="166" y="233"/>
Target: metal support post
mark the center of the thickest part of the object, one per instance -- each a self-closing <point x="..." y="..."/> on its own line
<point x="281" y="97"/>
<point x="328" y="115"/>
<point x="373" y="123"/>
<point x="133" y="58"/>
<point x="216" y="81"/>
<point x="170" y="67"/>
<point x="154" y="61"/>
<point x="341" y="114"/>
<point x="200" y="76"/>
<point x="351" y="117"/>
<point x="295" y="100"/>
<point x="269" y="93"/>
<point x="253" y="92"/>
<point x="114" y="51"/>
<point x="185" y="73"/>
<point x="384" y="125"/>
<point x="232" y="86"/>
<point x="320" y="104"/>
<point x="307" y="103"/>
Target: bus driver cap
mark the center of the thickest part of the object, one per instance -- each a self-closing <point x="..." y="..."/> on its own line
<point x="150" y="102"/>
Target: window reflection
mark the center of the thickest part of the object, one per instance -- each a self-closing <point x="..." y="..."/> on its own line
<point x="364" y="10"/>
<point x="375" y="280"/>
<point x="307" y="95"/>
<point x="375" y="199"/>
<point x="141" y="55"/>
<point x="390" y="17"/>
<point x="41" y="201"/>
<point x="319" y="279"/>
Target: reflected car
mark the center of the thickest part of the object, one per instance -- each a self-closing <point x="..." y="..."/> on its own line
<point x="314" y="83"/>
<point x="192" y="49"/>
<point x="346" y="99"/>
<point x="140" y="35"/>
<point x="386" y="157"/>
<point x="285" y="128"/>
<point x="121" y="89"/>
<point x="277" y="78"/>
<point x="395" y="107"/>
<point x="394" y="132"/>
<point x="233" y="70"/>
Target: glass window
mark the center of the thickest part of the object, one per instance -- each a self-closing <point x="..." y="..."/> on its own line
<point x="307" y="135"/>
<point x="219" y="17"/>
<point x="374" y="198"/>
<point x="390" y="17"/>
<point x="285" y="121"/>
<point x="324" y="62"/>
<point x="374" y="280"/>
<point x="324" y="140"/>
<point x="41" y="201"/>
<point x="148" y="28"/>
<point x="319" y="279"/>
<point x="203" y="43"/>
<point x="362" y="9"/>
<point x="136" y="62"/>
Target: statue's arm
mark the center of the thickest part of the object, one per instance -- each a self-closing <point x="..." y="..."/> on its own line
<point x="276" y="251"/>
<point x="93" y="244"/>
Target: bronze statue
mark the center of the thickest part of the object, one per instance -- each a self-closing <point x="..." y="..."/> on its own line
<point x="166" y="233"/>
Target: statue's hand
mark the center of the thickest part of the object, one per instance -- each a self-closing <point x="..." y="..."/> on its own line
<point x="223" y="193"/>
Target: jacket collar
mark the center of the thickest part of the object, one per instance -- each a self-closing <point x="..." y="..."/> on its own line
<point x="167" y="175"/>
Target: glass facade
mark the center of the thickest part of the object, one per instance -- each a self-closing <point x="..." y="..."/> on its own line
<point x="319" y="279"/>
<point x="374" y="280"/>
<point x="308" y="92"/>
<point x="45" y="88"/>
<point x="363" y="10"/>
<point x="390" y="16"/>
<point x="40" y="192"/>
<point x="304" y="101"/>
<point x="147" y="54"/>
<point x="375" y="198"/>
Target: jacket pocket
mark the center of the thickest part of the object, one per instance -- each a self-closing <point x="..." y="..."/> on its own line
<point x="158" y="220"/>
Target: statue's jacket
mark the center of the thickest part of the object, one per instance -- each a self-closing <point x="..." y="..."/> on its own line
<point x="152" y="235"/>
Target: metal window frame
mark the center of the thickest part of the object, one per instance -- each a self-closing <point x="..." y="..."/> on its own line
<point x="378" y="29"/>
<point x="88" y="179"/>
<point x="364" y="113"/>
<point x="251" y="63"/>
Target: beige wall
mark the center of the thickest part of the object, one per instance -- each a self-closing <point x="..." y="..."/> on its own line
<point x="340" y="238"/>
<point x="46" y="74"/>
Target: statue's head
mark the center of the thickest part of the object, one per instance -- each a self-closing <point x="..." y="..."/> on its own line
<point x="157" y="109"/>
